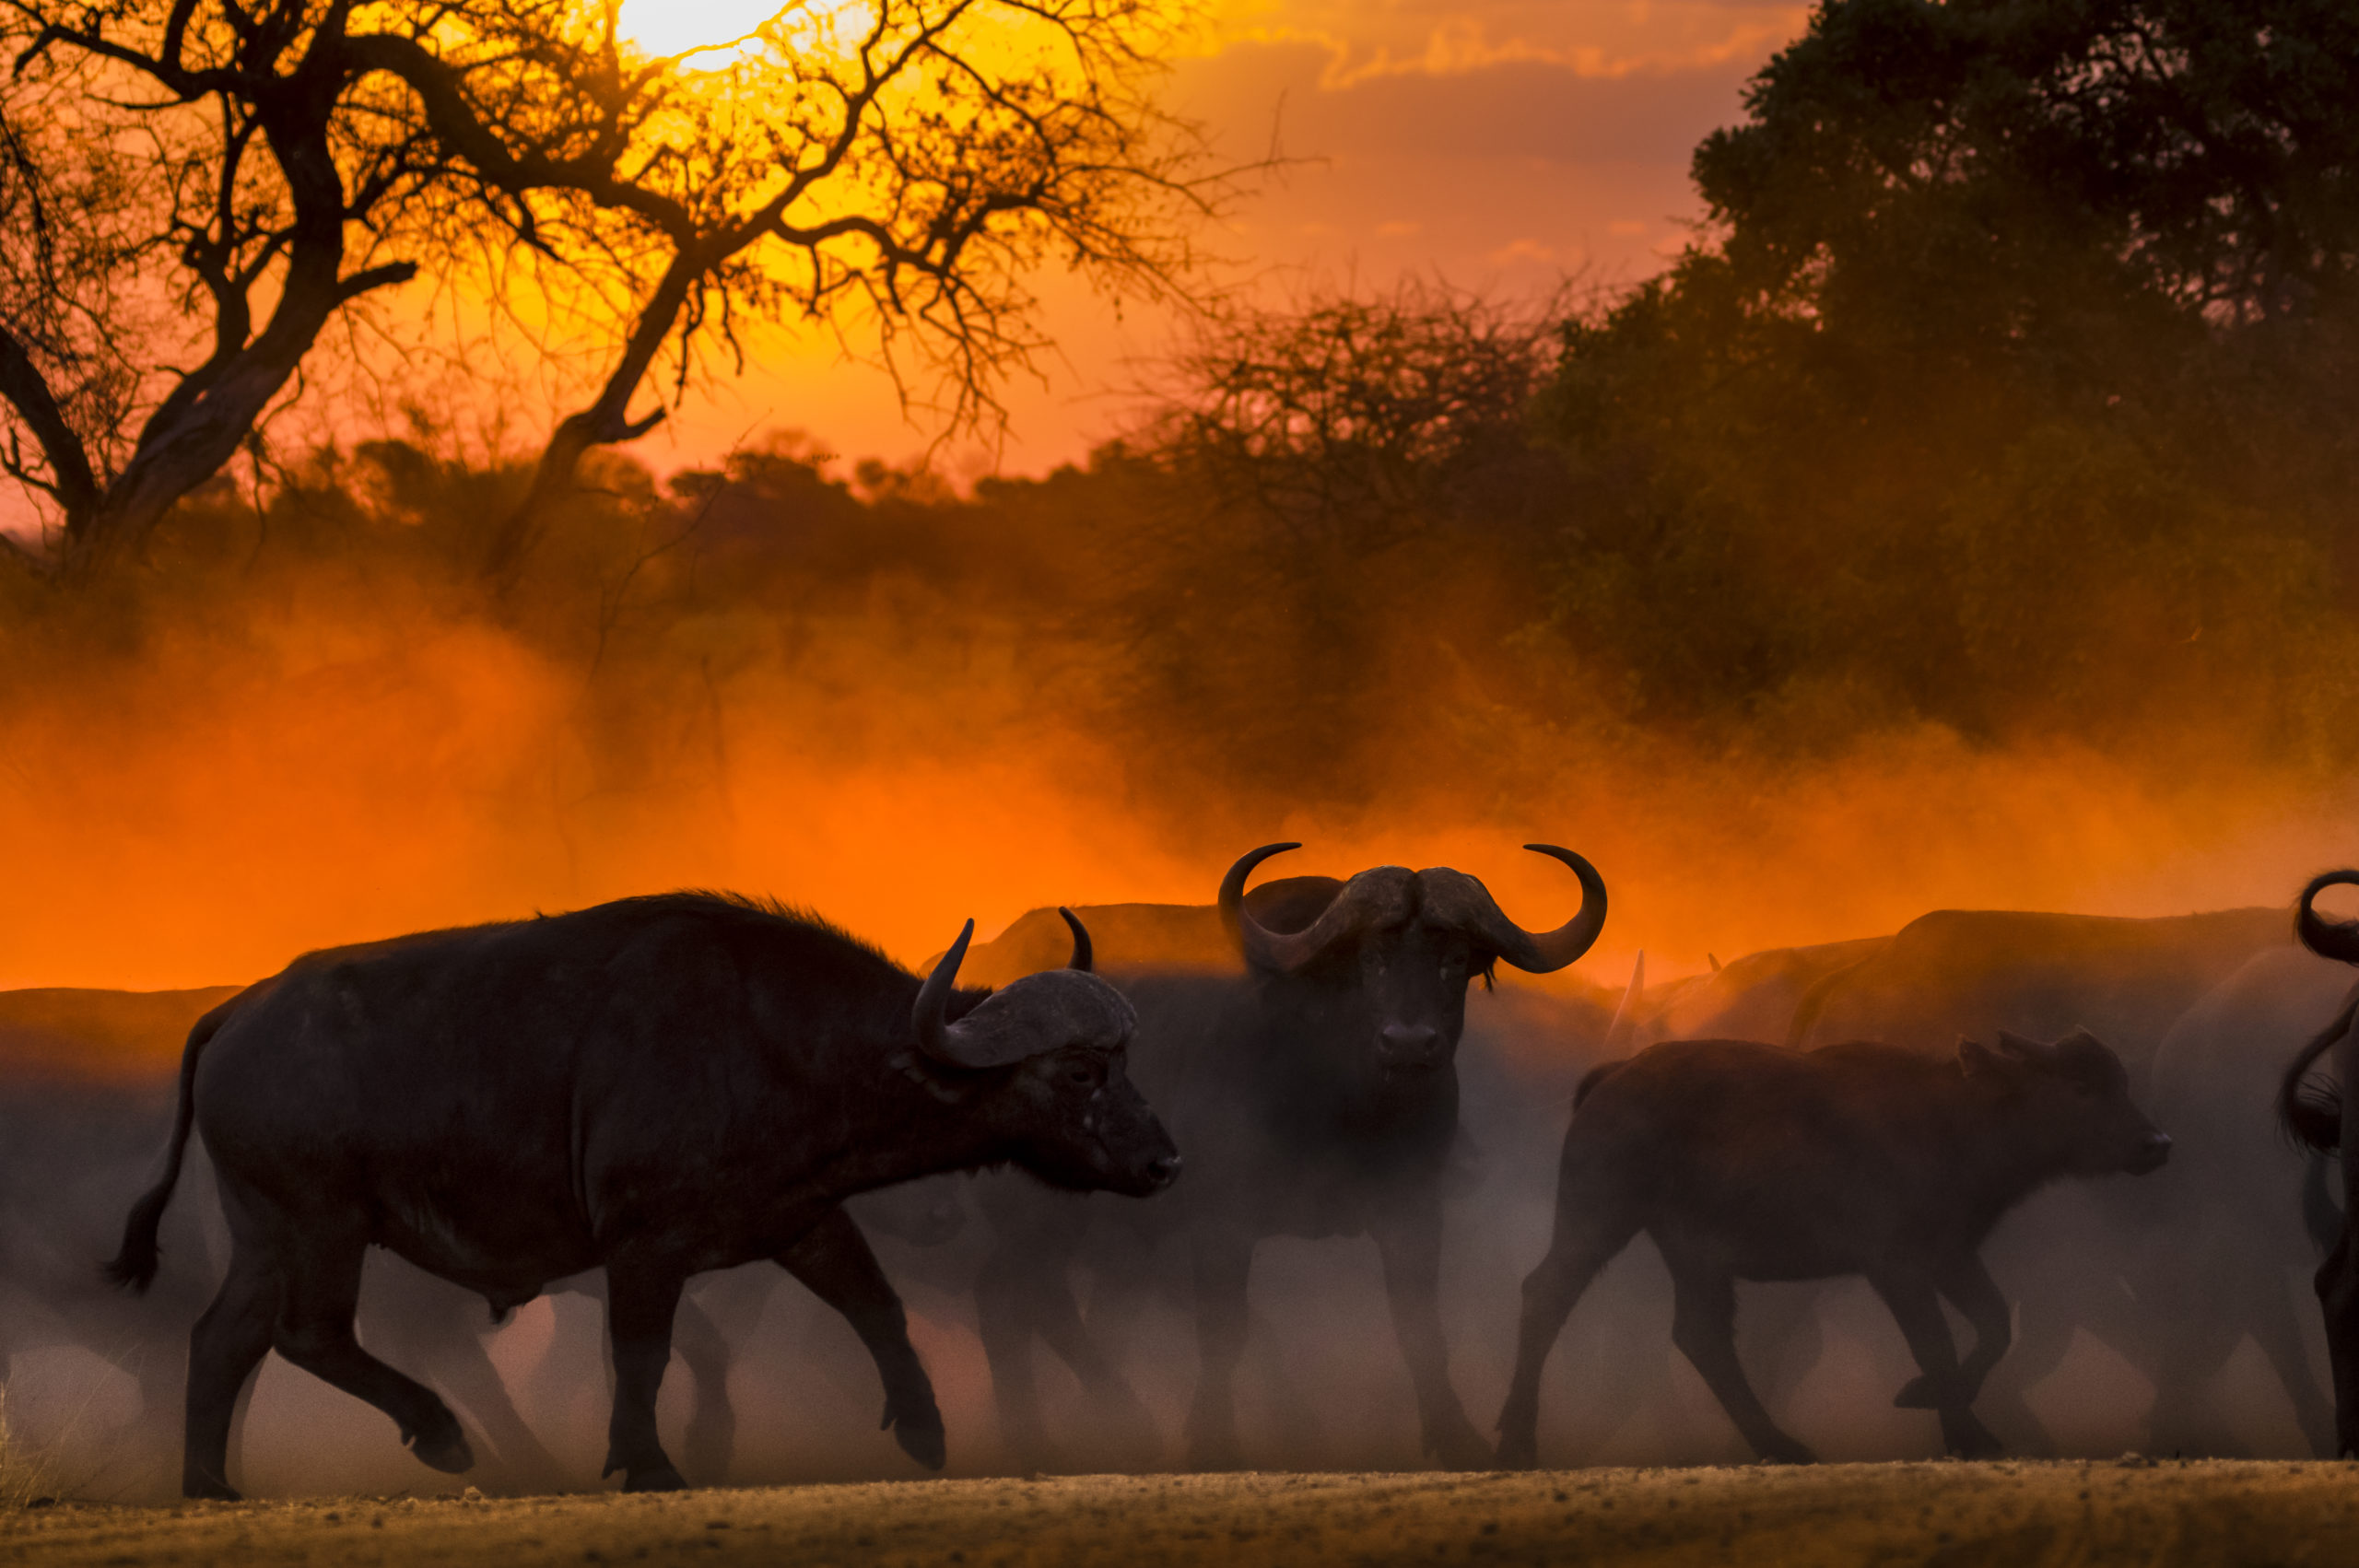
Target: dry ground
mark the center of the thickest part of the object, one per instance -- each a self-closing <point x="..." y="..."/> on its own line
<point x="2010" y="1515"/>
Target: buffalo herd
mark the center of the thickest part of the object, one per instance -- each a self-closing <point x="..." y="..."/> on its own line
<point x="2100" y="1142"/>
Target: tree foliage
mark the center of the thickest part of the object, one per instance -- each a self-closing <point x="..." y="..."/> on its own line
<point x="2007" y="385"/>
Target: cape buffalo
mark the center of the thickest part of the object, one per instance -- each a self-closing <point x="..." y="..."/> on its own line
<point x="2239" y="1201"/>
<point x="657" y="1087"/>
<point x="2320" y="1117"/>
<point x="2091" y="1265"/>
<point x="1746" y="1162"/>
<point x="1317" y="1096"/>
<point x="86" y="1074"/>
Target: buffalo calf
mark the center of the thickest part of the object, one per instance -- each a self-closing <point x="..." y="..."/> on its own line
<point x="1745" y="1161"/>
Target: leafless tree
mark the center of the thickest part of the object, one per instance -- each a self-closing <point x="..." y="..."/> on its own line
<point x="192" y="190"/>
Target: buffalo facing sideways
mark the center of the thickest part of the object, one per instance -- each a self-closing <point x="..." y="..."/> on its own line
<point x="657" y="1087"/>
<point x="1746" y="1162"/>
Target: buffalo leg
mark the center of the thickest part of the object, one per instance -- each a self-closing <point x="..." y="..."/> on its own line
<point x="1703" y="1325"/>
<point x="1782" y="1335"/>
<point x="1409" y="1240"/>
<point x="1223" y="1267"/>
<point x="712" y="1429"/>
<point x="412" y="1319"/>
<point x="834" y="1260"/>
<point x="2204" y="1296"/>
<point x="2279" y="1334"/>
<point x="1918" y="1309"/>
<point x="1029" y="1266"/>
<point x="1969" y="1286"/>
<point x="2338" y="1289"/>
<point x="1585" y="1242"/>
<point x="321" y="1291"/>
<point x="224" y="1347"/>
<point x="641" y="1298"/>
<point x="463" y="1368"/>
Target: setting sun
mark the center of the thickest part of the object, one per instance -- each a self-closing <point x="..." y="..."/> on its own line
<point x="674" y="26"/>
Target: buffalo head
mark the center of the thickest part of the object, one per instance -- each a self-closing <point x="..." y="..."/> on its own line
<point x="1048" y="1054"/>
<point x="1404" y="944"/>
<point x="2072" y="1096"/>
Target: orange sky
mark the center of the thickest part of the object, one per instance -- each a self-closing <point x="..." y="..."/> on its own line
<point x="1504" y="146"/>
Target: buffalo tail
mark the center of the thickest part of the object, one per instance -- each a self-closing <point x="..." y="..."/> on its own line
<point x="134" y="1267"/>
<point x="2311" y="1112"/>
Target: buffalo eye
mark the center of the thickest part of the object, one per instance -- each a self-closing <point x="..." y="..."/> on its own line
<point x="1081" y="1074"/>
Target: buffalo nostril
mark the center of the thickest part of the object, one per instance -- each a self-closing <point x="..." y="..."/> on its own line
<point x="1164" y="1170"/>
<point x="1401" y="1040"/>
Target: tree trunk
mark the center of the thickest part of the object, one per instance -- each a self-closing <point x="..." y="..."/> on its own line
<point x="603" y="423"/>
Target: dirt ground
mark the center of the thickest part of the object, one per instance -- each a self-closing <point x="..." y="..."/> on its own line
<point x="2011" y="1515"/>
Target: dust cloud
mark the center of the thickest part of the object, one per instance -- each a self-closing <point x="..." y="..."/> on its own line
<point x="313" y="748"/>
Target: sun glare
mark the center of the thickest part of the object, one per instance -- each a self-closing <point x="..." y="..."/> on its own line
<point x="674" y="26"/>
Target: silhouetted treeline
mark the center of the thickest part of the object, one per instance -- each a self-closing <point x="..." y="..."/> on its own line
<point x="2011" y="387"/>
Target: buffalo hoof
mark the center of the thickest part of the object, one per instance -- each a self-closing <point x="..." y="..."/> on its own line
<point x="1518" y="1451"/>
<point x="921" y="1438"/>
<point x="1788" y="1452"/>
<point x="659" y="1478"/>
<point x="444" y="1451"/>
<point x="1459" y="1447"/>
<point x="212" y="1491"/>
<point x="1968" y="1438"/>
<point x="1215" y="1452"/>
<point x="1212" y="1437"/>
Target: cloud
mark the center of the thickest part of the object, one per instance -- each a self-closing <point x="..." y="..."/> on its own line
<point x="1520" y="109"/>
<point x="1525" y="249"/>
<point x="1361" y="42"/>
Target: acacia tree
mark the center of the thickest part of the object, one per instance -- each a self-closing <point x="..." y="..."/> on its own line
<point x="251" y="170"/>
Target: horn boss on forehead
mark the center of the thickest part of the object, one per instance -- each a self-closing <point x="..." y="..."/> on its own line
<point x="1378" y="897"/>
<point x="1040" y="1012"/>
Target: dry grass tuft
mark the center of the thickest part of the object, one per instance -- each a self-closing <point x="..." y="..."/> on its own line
<point x="28" y="1473"/>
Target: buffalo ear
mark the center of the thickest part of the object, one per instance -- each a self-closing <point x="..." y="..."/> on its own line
<point x="1981" y="1064"/>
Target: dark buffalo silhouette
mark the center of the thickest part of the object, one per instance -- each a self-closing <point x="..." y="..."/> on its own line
<point x="1318" y="1097"/>
<point x="85" y="1076"/>
<point x="2100" y="1260"/>
<point x="2319" y="1117"/>
<point x="2227" y="1262"/>
<point x="1746" y="1162"/>
<point x="657" y="1087"/>
<point x="1753" y="997"/>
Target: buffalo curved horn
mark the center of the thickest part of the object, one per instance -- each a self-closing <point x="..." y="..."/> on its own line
<point x="1084" y="955"/>
<point x="1363" y="900"/>
<point x="1542" y="953"/>
<point x="1622" y="1022"/>
<point x="930" y="1016"/>
<point x="2338" y="940"/>
<point x="1263" y="949"/>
